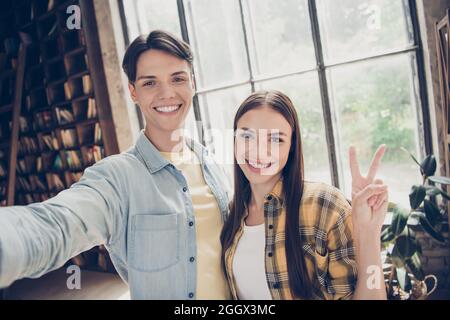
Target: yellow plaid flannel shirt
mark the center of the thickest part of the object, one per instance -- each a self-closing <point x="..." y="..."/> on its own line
<point x="326" y="230"/>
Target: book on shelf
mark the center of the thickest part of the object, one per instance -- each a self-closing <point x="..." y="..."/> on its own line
<point x="92" y="109"/>
<point x="43" y="120"/>
<point x="87" y="84"/>
<point x="2" y="170"/>
<point x="27" y="145"/>
<point x="23" y="184"/>
<point x="68" y="90"/>
<point x="72" y="177"/>
<point x="24" y="199"/>
<point x="23" y="124"/>
<point x="73" y="88"/>
<point x="98" y="133"/>
<point x="69" y="138"/>
<point x="26" y="164"/>
<point x="73" y="159"/>
<point x="37" y="183"/>
<point x="49" y="142"/>
<point x="95" y="154"/>
<point x="57" y="162"/>
<point x="39" y="164"/>
<point x="54" y="182"/>
<point x="28" y="103"/>
<point x="51" y="5"/>
<point x="64" y="115"/>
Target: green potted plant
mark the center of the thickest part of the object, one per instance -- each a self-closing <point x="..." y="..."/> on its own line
<point x="405" y="278"/>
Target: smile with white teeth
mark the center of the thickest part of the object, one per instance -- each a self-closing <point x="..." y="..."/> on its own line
<point x="257" y="165"/>
<point x="167" y="109"/>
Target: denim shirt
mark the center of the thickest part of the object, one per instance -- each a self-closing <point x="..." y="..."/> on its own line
<point x="135" y="203"/>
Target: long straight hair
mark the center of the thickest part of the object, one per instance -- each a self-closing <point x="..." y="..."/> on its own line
<point x="292" y="179"/>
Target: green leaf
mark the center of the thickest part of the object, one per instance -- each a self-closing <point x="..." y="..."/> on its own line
<point x="441" y="180"/>
<point x="411" y="155"/>
<point x="403" y="279"/>
<point x="428" y="166"/>
<point x="396" y="258"/>
<point x="387" y="235"/>
<point x="405" y="246"/>
<point x="399" y="220"/>
<point x="435" y="191"/>
<point x="432" y="212"/>
<point x="445" y="195"/>
<point x="416" y="196"/>
<point x="415" y="265"/>
<point x="428" y="228"/>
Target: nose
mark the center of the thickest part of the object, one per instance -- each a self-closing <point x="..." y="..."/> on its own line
<point x="260" y="150"/>
<point x="166" y="91"/>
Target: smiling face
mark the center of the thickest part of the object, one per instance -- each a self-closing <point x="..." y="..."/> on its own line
<point x="163" y="90"/>
<point x="262" y="144"/>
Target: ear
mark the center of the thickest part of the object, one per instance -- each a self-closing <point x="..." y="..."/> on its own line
<point x="132" y="90"/>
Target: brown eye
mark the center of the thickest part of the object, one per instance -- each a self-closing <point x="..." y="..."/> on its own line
<point x="149" y="84"/>
<point x="276" y="139"/>
<point x="179" y="79"/>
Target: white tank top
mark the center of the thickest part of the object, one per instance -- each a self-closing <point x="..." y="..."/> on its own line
<point x="249" y="265"/>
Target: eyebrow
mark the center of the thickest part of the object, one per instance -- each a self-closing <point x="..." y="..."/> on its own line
<point x="279" y="133"/>
<point x="154" y="77"/>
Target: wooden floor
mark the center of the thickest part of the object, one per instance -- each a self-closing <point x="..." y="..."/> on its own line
<point x="53" y="286"/>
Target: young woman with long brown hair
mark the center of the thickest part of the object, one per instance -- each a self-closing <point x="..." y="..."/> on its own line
<point x="287" y="238"/>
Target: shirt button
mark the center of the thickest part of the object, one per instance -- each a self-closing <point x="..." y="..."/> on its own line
<point x="191" y="259"/>
<point x="270" y="254"/>
<point x="191" y="295"/>
<point x="191" y="223"/>
<point x="269" y="197"/>
<point x="270" y="226"/>
<point x="184" y="189"/>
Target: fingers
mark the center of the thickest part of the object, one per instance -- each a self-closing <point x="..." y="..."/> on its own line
<point x="369" y="191"/>
<point x="375" y="164"/>
<point x="373" y="200"/>
<point x="382" y="200"/>
<point x="354" y="166"/>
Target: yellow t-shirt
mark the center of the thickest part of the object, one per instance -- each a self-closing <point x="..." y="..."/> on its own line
<point x="211" y="283"/>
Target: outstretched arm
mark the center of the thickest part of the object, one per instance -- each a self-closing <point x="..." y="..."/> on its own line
<point x="41" y="237"/>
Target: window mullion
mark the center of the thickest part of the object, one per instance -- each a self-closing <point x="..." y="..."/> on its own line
<point x="247" y="51"/>
<point x="329" y="131"/>
<point x="195" y="102"/>
<point x="423" y="95"/>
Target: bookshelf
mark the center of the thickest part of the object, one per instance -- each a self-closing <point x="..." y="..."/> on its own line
<point x="442" y="32"/>
<point x="57" y="121"/>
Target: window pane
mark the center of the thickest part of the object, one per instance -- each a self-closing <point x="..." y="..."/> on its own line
<point x="216" y="35"/>
<point x="153" y="15"/>
<point x="355" y="28"/>
<point x="218" y="109"/>
<point x="281" y="35"/>
<point x="304" y="92"/>
<point x="376" y="103"/>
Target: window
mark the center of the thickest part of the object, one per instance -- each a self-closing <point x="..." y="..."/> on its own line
<point x="351" y="68"/>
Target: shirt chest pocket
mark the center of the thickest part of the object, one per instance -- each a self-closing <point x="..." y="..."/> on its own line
<point x="154" y="243"/>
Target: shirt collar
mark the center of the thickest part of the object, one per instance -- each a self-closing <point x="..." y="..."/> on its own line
<point x="153" y="158"/>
